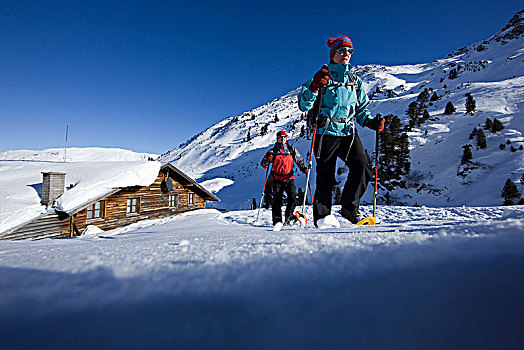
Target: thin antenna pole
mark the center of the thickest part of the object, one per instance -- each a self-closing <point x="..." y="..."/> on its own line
<point x="65" y="149"/>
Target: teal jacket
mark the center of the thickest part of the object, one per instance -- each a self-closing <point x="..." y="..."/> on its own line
<point x="338" y="102"/>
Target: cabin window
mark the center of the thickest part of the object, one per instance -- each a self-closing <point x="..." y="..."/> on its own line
<point x="133" y="206"/>
<point x="173" y="200"/>
<point x="191" y="199"/>
<point x="96" y="211"/>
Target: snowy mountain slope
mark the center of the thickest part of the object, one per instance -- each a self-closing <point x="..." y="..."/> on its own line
<point x="491" y="71"/>
<point x="425" y="278"/>
<point x="76" y="154"/>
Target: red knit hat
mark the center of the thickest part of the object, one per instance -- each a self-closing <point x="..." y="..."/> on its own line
<point x="281" y="133"/>
<point x="336" y="43"/>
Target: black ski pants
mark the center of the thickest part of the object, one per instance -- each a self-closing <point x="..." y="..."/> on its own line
<point x="360" y="173"/>
<point x="278" y="189"/>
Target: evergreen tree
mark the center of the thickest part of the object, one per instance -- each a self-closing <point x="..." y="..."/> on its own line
<point x="488" y="124"/>
<point x="496" y="126"/>
<point x="413" y="113"/>
<point x="510" y="192"/>
<point x="248" y="138"/>
<point x="450" y="109"/>
<point x="403" y="159"/>
<point x="276" y="118"/>
<point x="263" y="129"/>
<point x="467" y="156"/>
<point x="425" y="116"/>
<point x="423" y="98"/>
<point x="471" y="105"/>
<point x="453" y="74"/>
<point x="473" y="133"/>
<point x="481" y="139"/>
<point x="434" y="97"/>
<point x="394" y="153"/>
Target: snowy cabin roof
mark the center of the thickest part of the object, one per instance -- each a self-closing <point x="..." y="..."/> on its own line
<point x="21" y="185"/>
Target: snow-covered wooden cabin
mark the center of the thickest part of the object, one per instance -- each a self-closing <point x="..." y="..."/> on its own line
<point x="107" y="195"/>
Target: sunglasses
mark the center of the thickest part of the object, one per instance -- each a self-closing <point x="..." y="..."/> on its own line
<point x="348" y="50"/>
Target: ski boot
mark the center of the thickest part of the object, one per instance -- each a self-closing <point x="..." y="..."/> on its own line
<point x="290" y="220"/>
<point x="351" y="216"/>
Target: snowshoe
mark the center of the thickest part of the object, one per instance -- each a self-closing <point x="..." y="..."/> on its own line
<point x="301" y="218"/>
<point x="370" y="220"/>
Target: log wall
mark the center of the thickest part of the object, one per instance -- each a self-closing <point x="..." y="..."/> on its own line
<point x="153" y="204"/>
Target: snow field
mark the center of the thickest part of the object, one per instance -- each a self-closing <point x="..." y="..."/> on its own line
<point x="211" y="279"/>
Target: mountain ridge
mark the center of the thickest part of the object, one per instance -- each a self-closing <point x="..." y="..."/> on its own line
<point x="489" y="70"/>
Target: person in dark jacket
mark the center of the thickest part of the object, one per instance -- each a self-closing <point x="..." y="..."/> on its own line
<point x="283" y="156"/>
<point x="344" y="101"/>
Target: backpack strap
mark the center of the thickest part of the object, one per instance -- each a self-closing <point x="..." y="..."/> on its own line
<point x="354" y="83"/>
<point x="289" y="147"/>
<point x="291" y="150"/>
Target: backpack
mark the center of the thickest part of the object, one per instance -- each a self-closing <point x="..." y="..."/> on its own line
<point x="288" y="162"/>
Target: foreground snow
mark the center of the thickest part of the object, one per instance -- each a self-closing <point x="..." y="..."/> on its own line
<point x="422" y="278"/>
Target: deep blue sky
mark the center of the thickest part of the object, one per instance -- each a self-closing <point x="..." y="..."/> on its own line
<point x="148" y="75"/>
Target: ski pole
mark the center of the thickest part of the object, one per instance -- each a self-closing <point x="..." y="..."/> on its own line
<point x="310" y="166"/>
<point x="263" y="193"/>
<point x="376" y="174"/>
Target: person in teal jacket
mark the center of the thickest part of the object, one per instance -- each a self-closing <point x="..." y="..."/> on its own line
<point x="342" y="102"/>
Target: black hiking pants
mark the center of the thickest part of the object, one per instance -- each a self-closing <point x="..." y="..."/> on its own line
<point x="278" y="189"/>
<point x="360" y="173"/>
